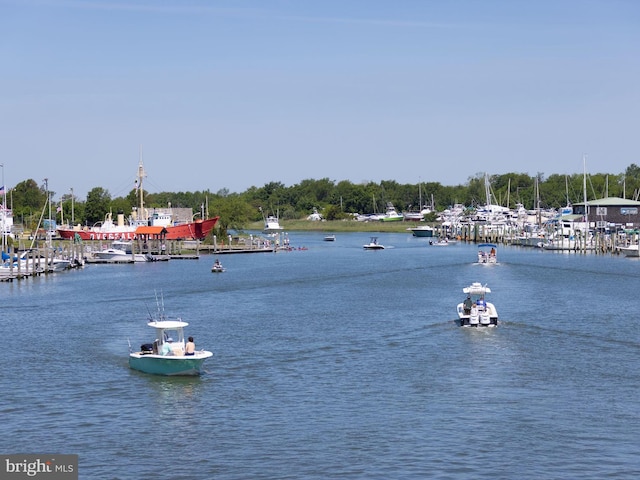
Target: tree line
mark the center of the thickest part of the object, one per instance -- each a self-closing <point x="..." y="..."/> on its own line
<point x="334" y="200"/>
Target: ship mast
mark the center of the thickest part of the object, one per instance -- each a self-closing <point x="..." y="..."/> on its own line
<point x="140" y="217"/>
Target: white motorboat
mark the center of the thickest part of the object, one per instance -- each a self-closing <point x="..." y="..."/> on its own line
<point x="217" y="267"/>
<point x="422" y="231"/>
<point x="391" y="215"/>
<point x="630" y="251"/>
<point x="118" y="255"/>
<point x="168" y="354"/>
<point x="475" y="311"/>
<point x="487" y="253"/>
<point x="329" y="238"/>
<point x="373" y="244"/>
<point x="442" y="242"/>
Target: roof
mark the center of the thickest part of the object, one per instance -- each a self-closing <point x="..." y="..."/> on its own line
<point x="476" y="288"/>
<point x="169" y="324"/>
<point x="150" y="230"/>
<point x="611" y="202"/>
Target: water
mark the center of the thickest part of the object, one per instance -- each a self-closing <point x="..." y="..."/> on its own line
<point x="333" y="362"/>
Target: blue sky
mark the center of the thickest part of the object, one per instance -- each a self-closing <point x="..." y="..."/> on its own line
<point x="234" y="94"/>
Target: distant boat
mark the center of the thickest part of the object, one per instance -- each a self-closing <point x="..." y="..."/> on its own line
<point x="166" y="355"/>
<point x="330" y="238"/>
<point x="630" y="251"/>
<point x="217" y="267"/>
<point x="271" y="223"/>
<point x="442" y="242"/>
<point x="373" y="244"/>
<point x="487" y="253"/>
<point x="391" y="215"/>
<point x="112" y="254"/>
<point x="422" y="231"/>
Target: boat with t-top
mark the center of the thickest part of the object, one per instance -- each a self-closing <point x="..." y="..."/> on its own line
<point x="373" y="244"/>
<point x="168" y="354"/>
<point x="475" y="311"/>
<point x="487" y="253"/>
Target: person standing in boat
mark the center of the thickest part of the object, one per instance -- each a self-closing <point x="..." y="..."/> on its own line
<point x="467" y="305"/>
<point x="190" y="347"/>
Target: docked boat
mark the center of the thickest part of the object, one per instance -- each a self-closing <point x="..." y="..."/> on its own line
<point x="373" y="244"/>
<point x="272" y="224"/>
<point x="422" y="231"/>
<point x="126" y="230"/>
<point x="475" y="311"/>
<point x="119" y="255"/>
<point x="167" y="354"/>
<point x="217" y="267"/>
<point x="487" y="253"/>
<point x="630" y="251"/>
<point x="391" y="215"/>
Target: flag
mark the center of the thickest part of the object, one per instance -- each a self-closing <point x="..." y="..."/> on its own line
<point x="59" y="209"/>
<point x="2" y="190"/>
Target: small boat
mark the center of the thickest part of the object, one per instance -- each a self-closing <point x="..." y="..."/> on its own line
<point x="119" y="255"/>
<point x="166" y="355"/>
<point x="442" y="242"/>
<point x="373" y="244"/>
<point x="475" y="311"/>
<point x="217" y="267"/>
<point x="487" y="253"/>
<point x="630" y="251"/>
<point x="330" y="238"/>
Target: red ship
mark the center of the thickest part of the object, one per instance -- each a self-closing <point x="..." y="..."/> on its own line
<point x="108" y="230"/>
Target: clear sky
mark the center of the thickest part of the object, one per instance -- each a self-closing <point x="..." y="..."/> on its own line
<point x="234" y="94"/>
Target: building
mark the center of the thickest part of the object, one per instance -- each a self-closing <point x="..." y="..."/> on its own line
<point x="611" y="213"/>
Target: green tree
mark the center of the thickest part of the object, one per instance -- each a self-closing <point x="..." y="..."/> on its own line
<point x="97" y="205"/>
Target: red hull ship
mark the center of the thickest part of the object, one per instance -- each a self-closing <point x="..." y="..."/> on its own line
<point x="195" y="230"/>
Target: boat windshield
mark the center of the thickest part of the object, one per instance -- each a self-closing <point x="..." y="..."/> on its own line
<point x="172" y="336"/>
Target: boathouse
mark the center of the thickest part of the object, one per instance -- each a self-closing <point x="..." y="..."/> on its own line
<point x="610" y="213"/>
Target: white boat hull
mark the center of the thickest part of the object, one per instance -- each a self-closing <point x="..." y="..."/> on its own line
<point x="478" y="317"/>
<point x="169" y="365"/>
<point x="630" y="251"/>
<point x="478" y="312"/>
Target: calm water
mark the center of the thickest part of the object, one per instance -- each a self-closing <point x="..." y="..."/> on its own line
<point x="333" y="362"/>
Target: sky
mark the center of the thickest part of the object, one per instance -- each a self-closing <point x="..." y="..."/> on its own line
<point x="235" y="94"/>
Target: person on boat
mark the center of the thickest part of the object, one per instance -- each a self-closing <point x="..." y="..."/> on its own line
<point x="481" y="303"/>
<point x="467" y="305"/>
<point x="493" y="252"/>
<point x="190" y="347"/>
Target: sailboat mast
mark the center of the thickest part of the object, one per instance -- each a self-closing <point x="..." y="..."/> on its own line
<point x="584" y="186"/>
<point x="141" y="175"/>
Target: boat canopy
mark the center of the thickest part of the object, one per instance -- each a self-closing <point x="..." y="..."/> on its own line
<point x="168" y="324"/>
<point x="476" y="289"/>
